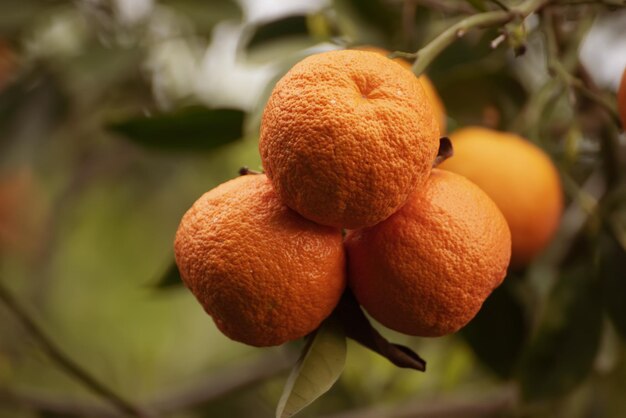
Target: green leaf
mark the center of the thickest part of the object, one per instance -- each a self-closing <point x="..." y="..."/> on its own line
<point x="192" y="128"/>
<point x="318" y="368"/>
<point x="287" y="27"/>
<point x="612" y="271"/>
<point x="478" y="5"/>
<point x="499" y="331"/>
<point x="205" y="14"/>
<point x="368" y="21"/>
<point x="170" y="279"/>
<point x="563" y="351"/>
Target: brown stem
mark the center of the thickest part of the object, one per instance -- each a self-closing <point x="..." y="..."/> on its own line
<point x="358" y="328"/>
<point x="445" y="151"/>
<point x="243" y="171"/>
<point x="63" y="360"/>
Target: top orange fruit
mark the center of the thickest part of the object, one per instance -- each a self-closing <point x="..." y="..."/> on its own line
<point x="428" y="268"/>
<point x="621" y="99"/>
<point x="265" y="274"/>
<point x="346" y="136"/>
<point x="519" y="177"/>
<point x="427" y="85"/>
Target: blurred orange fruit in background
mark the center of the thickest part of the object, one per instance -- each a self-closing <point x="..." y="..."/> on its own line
<point x="519" y="177"/>
<point x="8" y="63"/>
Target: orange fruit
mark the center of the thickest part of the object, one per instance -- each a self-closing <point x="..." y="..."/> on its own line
<point x="265" y="274"/>
<point x="428" y="268"/>
<point x="519" y="177"/>
<point x="8" y="63"/>
<point x="621" y="99"/>
<point x="427" y="85"/>
<point x="18" y="215"/>
<point x="346" y="137"/>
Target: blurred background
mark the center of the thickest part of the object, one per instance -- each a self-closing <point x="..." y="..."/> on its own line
<point x="115" y="115"/>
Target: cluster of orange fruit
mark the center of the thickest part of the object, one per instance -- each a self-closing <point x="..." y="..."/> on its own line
<point x="348" y="140"/>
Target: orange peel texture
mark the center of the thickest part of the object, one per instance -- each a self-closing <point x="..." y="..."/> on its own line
<point x="427" y="270"/>
<point x="264" y="274"/>
<point x="346" y="137"/>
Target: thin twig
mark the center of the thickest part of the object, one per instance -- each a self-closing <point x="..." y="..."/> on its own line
<point x="428" y="53"/>
<point x="555" y="66"/>
<point x="63" y="360"/>
<point x="218" y="384"/>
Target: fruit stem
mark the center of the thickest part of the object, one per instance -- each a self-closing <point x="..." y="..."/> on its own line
<point x="445" y="151"/>
<point x="243" y="171"/>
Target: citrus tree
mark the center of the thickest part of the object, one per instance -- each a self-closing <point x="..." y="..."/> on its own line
<point x="417" y="208"/>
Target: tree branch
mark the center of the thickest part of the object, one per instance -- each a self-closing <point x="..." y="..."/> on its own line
<point x="220" y="383"/>
<point x="428" y="53"/>
<point x="63" y="360"/>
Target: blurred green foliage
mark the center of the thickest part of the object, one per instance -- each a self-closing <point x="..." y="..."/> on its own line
<point x="117" y="142"/>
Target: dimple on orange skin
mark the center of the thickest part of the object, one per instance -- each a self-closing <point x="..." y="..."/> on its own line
<point x="427" y="270"/>
<point x="264" y="274"/>
<point x="429" y="88"/>
<point x="519" y="177"/>
<point x="621" y="99"/>
<point x="346" y="137"/>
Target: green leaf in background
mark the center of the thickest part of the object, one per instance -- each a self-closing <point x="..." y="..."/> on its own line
<point x="205" y="14"/>
<point x="369" y="20"/>
<point x="171" y="278"/>
<point x="612" y="271"/>
<point x="478" y="5"/>
<point x="500" y="330"/>
<point x="287" y="27"/>
<point x="14" y="19"/>
<point x="563" y="351"/>
<point x="320" y="365"/>
<point x="193" y="128"/>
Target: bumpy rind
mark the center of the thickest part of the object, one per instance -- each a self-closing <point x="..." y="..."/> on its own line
<point x="265" y="274"/>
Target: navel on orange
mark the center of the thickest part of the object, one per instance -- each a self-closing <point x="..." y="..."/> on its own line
<point x="428" y="86"/>
<point x="346" y="137"/>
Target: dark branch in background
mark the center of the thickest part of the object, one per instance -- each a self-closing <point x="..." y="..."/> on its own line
<point x="53" y="404"/>
<point x="556" y="67"/>
<point x="64" y="361"/>
<point x="221" y="383"/>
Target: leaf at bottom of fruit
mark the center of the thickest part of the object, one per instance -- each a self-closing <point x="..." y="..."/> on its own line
<point x="318" y="368"/>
